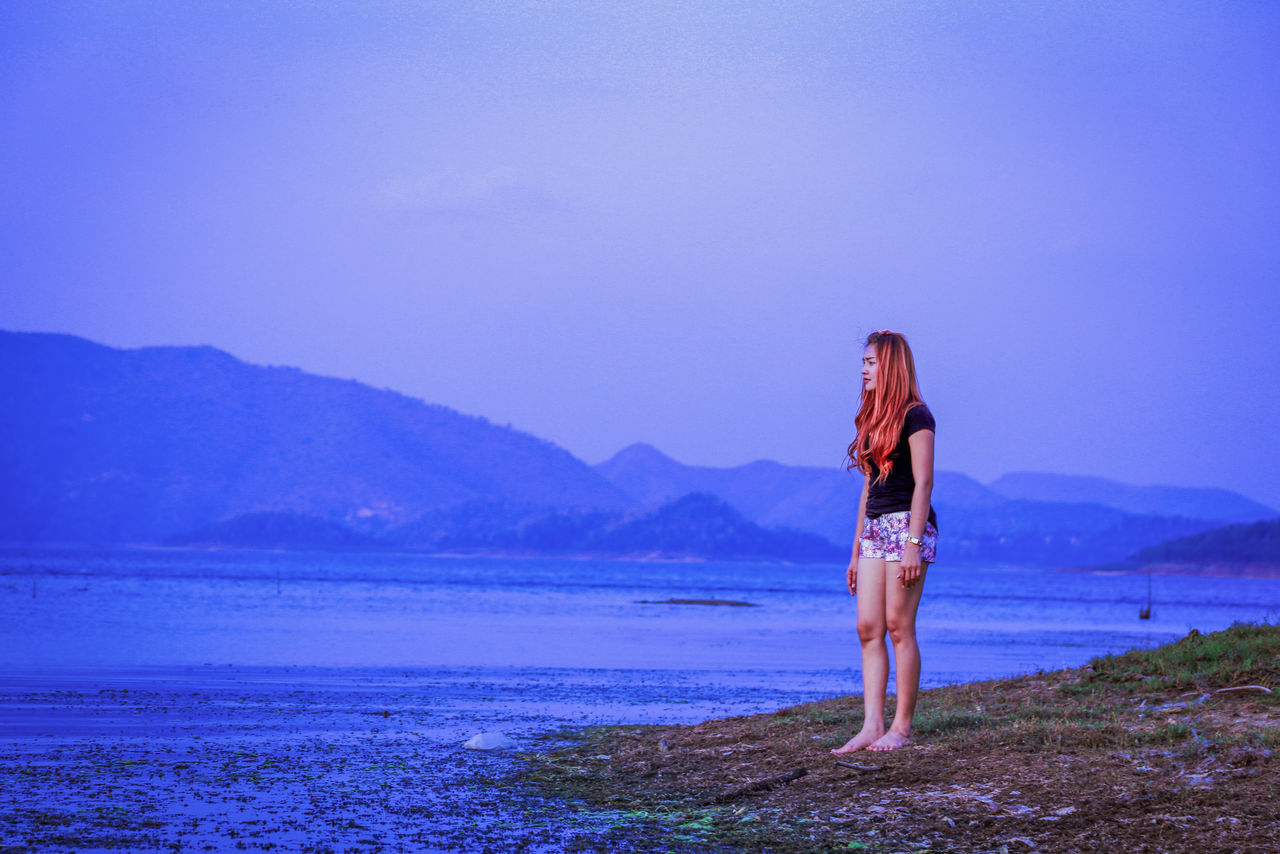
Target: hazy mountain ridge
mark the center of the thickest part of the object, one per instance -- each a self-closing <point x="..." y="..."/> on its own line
<point x="695" y="526"/>
<point x="101" y="444"/>
<point x="977" y="523"/>
<point x="104" y="445"/>
<point x="1256" y="543"/>
<point x="1192" y="502"/>
<point x="289" y="531"/>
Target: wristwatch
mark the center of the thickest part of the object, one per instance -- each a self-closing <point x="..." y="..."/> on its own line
<point x="916" y="540"/>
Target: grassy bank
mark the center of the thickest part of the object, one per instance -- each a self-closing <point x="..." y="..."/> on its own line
<point x="1158" y="750"/>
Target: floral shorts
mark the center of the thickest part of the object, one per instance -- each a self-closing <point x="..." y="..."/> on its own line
<point x="884" y="537"/>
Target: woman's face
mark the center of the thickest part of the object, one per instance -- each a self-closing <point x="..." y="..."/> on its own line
<point x="869" y="367"/>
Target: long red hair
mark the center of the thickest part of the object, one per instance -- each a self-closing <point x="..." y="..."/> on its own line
<point x="884" y="409"/>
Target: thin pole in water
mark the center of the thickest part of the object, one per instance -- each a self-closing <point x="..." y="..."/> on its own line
<point x="1145" y="613"/>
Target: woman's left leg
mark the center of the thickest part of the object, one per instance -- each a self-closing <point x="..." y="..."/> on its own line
<point x="900" y="617"/>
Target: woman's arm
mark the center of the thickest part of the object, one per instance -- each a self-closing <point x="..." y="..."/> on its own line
<point x="851" y="576"/>
<point x="921" y="443"/>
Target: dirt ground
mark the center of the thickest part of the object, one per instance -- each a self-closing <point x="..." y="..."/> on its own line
<point x="1098" y="758"/>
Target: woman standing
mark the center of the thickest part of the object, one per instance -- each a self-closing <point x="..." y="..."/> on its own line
<point x="896" y="533"/>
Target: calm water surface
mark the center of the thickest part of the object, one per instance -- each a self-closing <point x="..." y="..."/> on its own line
<point x="138" y="607"/>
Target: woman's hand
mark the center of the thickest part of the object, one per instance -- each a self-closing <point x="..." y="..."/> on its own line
<point x="909" y="568"/>
<point x="851" y="574"/>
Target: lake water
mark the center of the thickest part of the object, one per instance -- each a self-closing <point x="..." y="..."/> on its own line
<point x="160" y="607"/>
<point x="468" y="645"/>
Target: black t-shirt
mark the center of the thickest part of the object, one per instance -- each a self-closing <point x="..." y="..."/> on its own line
<point x="893" y="494"/>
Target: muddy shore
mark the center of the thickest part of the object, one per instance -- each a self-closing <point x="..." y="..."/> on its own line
<point x="218" y="758"/>
<point x="1148" y="751"/>
<point x="1165" y="750"/>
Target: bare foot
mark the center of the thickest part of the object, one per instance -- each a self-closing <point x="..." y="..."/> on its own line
<point x="859" y="741"/>
<point x="889" y="741"/>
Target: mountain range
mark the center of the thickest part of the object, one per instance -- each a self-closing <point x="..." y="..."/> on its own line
<point x="188" y="445"/>
<point x="978" y="523"/>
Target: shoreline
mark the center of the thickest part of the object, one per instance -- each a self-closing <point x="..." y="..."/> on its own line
<point x="1143" y="751"/>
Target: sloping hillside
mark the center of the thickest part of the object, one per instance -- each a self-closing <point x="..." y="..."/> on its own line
<point x="1256" y="543"/>
<point x="109" y="445"/>
<point x="288" y="531"/>
<point x="1192" y="502"/>
<point x="767" y="492"/>
<point x="696" y="526"/>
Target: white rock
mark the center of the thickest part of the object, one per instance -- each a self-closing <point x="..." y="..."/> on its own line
<point x="489" y="741"/>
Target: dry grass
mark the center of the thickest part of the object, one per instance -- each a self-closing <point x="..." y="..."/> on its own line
<point x="1135" y="752"/>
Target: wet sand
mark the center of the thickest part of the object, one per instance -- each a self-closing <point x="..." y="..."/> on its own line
<point x="311" y="759"/>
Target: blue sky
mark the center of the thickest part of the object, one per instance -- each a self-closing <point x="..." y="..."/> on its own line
<point x="675" y="222"/>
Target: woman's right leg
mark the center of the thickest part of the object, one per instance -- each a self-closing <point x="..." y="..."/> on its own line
<point x="875" y="655"/>
<point x="901" y="606"/>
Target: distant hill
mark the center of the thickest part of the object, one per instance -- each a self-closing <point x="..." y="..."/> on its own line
<point x="696" y="526"/>
<point x="276" y="531"/>
<point x="823" y="501"/>
<point x="1190" y="502"/>
<point x="715" y="530"/>
<point x="99" y="444"/>
<point x="1256" y="543"/>
<point x="978" y="524"/>
<point x="466" y="525"/>
<point x="1048" y="534"/>
<point x="769" y="493"/>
